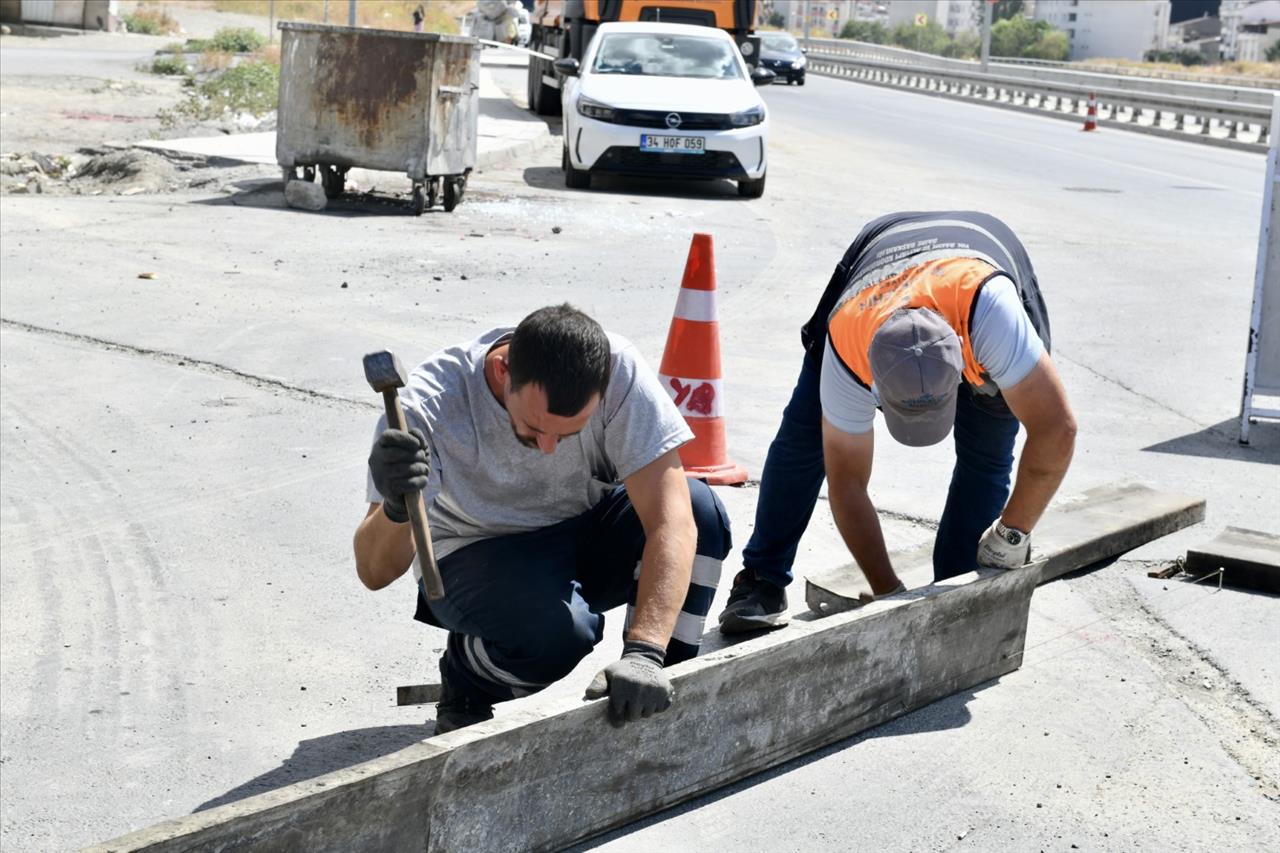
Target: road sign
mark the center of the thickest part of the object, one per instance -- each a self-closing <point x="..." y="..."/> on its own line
<point x="922" y="20"/>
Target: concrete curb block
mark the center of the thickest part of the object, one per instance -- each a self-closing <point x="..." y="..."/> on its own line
<point x="1167" y="133"/>
<point x="502" y="156"/>
<point x="555" y="772"/>
<point x="1103" y="522"/>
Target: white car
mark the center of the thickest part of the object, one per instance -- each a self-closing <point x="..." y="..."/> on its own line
<point x="671" y="100"/>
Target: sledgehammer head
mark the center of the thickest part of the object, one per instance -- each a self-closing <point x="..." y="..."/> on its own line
<point x="384" y="372"/>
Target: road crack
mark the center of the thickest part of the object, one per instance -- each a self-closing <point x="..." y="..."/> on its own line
<point x="265" y="383"/>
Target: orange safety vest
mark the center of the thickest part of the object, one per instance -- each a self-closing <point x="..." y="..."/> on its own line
<point x="947" y="285"/>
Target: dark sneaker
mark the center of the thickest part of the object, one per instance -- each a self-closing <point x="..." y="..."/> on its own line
<point x="754" y="605"/>
<point x="456" y="711"/>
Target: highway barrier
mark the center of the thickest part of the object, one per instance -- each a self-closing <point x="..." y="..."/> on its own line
<point x="1232" y="116"/>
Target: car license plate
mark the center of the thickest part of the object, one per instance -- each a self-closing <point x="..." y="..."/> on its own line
<point x="673" y="144"/>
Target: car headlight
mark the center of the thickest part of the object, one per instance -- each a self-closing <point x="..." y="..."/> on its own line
<point x="747" y="118"/>
<point x="799" y="63"/>
<point x="596" y="110"/>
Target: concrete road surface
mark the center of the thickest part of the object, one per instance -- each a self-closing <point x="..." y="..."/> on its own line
<point x="183" y="467"/>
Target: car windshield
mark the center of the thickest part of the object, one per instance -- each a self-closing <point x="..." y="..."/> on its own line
<point x="655" y="55"/>
<point x="779" y="43"/>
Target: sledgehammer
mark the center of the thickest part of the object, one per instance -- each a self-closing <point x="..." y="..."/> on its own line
<point x="385" y="374"/>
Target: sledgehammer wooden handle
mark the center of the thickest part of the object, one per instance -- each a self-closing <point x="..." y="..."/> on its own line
<point x="417" y="510"/>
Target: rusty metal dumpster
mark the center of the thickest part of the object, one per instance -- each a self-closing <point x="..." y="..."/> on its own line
<point x="378" y="99"/>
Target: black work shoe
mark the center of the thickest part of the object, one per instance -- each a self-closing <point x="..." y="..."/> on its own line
<point x="754" y="605"/>
<point x="456" y="711"/>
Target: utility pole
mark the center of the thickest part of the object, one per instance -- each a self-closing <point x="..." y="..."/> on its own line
<point x="326" y="11"/>
<point x="986" y="34"/>
<point x="271" y="20"/>
<point x="351" y="13"/>
<point x="804" y="10"/>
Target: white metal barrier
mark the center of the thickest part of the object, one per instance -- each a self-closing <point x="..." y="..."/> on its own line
<point x="1199" y="112"/>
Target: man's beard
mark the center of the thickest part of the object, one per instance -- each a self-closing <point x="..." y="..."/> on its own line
<point x="531" y="443"/>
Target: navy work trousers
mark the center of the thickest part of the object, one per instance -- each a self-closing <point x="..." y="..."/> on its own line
<point x="794" y="471"/>
<point x="522" y="610"/>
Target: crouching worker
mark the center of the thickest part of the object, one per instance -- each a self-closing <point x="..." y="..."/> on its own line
<point x="935" y="319"/>
<point x="547" y="457"/>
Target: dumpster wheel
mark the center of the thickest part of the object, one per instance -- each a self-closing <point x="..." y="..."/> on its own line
<point x="453" y="189"/>
<point x="419" y="201"/>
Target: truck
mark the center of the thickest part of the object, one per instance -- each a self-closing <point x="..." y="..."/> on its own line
<point x="563" y="28"/>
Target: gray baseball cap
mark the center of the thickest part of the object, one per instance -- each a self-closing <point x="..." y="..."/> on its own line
<point x="917" y="365"/>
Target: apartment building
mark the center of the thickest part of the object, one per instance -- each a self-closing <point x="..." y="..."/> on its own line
<point x="1114" y="29"/>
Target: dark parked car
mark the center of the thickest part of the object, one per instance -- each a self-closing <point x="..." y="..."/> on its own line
<point x="781" y="54"/>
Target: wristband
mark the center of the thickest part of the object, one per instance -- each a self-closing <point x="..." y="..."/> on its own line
<point x="649" y="651"/>
<point x="399" y="513"/>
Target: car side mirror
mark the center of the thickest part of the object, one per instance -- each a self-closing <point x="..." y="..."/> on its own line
<point x="567" y="66"/>
<point x="804" y="50"/>
<point x="762" y="76"/>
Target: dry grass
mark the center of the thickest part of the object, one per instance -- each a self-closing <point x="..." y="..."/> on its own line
<point x="152" y="20"/>
<point x="442" y="15"/>
<point x="1265" y="70"/>
<point x="214" y="60"/>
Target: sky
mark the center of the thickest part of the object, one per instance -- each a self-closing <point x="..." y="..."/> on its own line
<point x="1184" y="10"/>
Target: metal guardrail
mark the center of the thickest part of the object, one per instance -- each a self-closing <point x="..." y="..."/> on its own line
<point x="1221" y="115"/>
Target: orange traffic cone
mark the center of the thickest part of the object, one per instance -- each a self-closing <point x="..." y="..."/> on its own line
<point x="1091" y="119"/>
<point x="690" y="370"/>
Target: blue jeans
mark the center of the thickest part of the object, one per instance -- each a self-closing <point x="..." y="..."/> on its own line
<point x="522" y="610"/>
<point x="793" y="474"/>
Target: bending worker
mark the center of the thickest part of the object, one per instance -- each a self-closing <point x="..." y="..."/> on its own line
<point x="937" y="320"/>
<point x="554" y="492"/>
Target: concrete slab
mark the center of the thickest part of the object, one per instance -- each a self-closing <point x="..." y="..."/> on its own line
<point x="554" y="772"/>
<point x="1248" y="558"/>
<point x="1103" y="522"/>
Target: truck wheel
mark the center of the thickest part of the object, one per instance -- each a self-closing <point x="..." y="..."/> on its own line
<point x="751" y="189"/>
<point x="543" y="99"/>
<point x="574" y="179"/>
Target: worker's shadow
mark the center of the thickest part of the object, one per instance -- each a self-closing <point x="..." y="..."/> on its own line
<point x="324" y="754"/>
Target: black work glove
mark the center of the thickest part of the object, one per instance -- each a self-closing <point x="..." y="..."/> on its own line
<point x="399" y="465"/>
<point x="636" y="685"/>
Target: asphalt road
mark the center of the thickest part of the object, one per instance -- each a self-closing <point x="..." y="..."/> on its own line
<point x="183" y="462"/>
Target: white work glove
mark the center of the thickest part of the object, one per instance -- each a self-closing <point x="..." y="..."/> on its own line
<point x="1003" y="547"/>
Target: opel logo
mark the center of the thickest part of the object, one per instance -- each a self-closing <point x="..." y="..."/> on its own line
<point x="674" y="120"/>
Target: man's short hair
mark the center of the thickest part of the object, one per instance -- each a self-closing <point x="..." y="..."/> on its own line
<point x="565" y="352"/>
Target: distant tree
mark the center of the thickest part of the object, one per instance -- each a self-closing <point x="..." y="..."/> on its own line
<point x="777" y="20"/>
<point x="1052" y="45"/>
<point x="1273" y="52"/>
<point x="1020" y="36"/>
<point x="931" y="38"/>
<point x="1002" y="10"/>
<point x="1183" y="56"/>
<point x="964" y="46"/>
<point x="871" y="31"/>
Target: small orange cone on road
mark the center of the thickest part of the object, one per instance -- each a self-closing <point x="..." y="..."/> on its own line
<point x="1091" y="119"/>
<point x="690" y="370"/>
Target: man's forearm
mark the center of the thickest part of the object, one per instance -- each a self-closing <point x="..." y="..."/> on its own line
<point x="665" y="569"/>
<point x="1044" y="462"/>
<point x="384" y="549"/>
<point x="859" y="525"/>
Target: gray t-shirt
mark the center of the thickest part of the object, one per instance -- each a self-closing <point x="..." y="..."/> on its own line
<point x="485" y="483"/>
<point x="1004" y="342"/>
